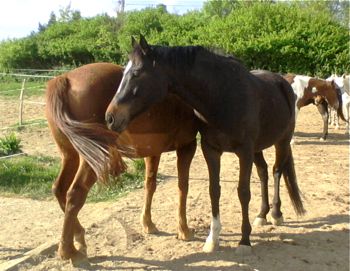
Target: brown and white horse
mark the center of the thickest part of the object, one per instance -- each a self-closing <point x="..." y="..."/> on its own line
<point x="310" y="90"/>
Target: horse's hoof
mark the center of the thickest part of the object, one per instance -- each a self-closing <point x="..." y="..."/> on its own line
<point x="82" y="250"/>
<point x="186" y="235"/>
<point x="211" y="246"/>
<point x="243" y="250"/>
<point x="150" y="229"/>
<point x="322" y="139"/>
<point x="277" y="221"/>
<point x="259" y="221"/>
<point x="80" y="260"/>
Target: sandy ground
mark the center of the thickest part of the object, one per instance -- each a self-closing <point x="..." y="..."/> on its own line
<point x="317" y="241"/>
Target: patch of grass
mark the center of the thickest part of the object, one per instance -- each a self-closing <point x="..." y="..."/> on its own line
<point x="9" y="144"/>
<point x="33" y="177"/>
<point x="28" y="176"/>
<point x="117" y="187"/>
<point x="12" y="88"/>
<point x="28" y="125"/>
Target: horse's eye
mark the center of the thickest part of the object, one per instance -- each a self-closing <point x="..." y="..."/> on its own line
<point x="136" y="73"/>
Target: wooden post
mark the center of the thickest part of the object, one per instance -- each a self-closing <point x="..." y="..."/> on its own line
<point x="21" y="103"/>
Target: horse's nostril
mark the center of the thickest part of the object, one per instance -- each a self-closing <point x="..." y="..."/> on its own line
<point x="109" y="119"/>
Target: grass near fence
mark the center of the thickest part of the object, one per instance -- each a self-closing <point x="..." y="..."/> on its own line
<point x="32" y="176"/>
<point x="12" y="88"/>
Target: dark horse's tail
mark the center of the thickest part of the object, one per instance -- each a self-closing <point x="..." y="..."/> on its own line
<point x="93" y="141"/>
<point x="292" y="185"/>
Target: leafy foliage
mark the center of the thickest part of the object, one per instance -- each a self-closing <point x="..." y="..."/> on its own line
<point x="305" y="37"/>
<point x="9" y="145"/>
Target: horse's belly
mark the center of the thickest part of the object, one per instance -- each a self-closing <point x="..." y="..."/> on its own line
<point x="147" y="144"/>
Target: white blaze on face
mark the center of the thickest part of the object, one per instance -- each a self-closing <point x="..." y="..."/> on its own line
<point x="127" y="68"/>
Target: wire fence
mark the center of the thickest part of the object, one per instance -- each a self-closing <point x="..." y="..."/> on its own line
<point x="24" y="87"/>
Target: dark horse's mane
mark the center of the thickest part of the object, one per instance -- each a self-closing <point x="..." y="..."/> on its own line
<point x="176" y="56"/>
<point x="185" y="56"/>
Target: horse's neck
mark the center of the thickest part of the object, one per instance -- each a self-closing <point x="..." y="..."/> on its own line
<point x="299" y="85"/>
<point x="210" y="94"/>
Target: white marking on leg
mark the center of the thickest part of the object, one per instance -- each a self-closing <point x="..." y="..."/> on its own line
<point x="212" y="242"/>
<point x="127" y="68"/>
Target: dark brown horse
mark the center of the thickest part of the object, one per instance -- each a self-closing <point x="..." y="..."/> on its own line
<point x="76" y="105"/>
<point x="241" y="112"/>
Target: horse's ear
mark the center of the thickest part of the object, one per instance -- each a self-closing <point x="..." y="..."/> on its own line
<point x="333" y="83"/>
<point x="133" y="42"/>
<point x="144" y="45"/>
<point x="344" y="75"/>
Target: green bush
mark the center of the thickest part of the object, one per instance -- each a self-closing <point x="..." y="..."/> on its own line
<point x="10" y="145"/>
<point x="304" y="37"/>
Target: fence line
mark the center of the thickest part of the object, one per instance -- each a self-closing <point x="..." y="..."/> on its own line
<point x="41" y="70"/>
<point x="27" y="75"/>
<point x="22" y="93"/>
<point x="12" y="155"/>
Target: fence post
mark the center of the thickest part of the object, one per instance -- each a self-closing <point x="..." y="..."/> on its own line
<point x="21" y="103"/>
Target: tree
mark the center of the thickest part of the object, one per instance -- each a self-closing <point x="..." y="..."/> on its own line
<point x="220" y="8"/>
<point x="67" y="14"/>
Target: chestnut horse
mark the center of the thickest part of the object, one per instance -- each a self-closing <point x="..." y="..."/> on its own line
<point x="76" y="105"/>
<point x="242" y="112"/>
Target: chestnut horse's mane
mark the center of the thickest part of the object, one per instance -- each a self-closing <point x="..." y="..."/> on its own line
<point x="93" y="141"/>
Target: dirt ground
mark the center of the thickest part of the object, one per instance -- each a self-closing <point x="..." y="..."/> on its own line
<point x="317" y="241"/>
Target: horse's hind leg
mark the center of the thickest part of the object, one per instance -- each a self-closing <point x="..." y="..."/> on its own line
<point x="151" y="170"/>
<point x="282" y="153"/>
<point x="261" y="167"/>
<point x="184" y="159"/>
<point x="322" y="108"/>
<point x="75" y="200"/>
<point x="69" y="167"/>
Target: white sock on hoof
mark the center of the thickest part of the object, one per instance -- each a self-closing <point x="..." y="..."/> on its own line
<point x="212" y="242"/>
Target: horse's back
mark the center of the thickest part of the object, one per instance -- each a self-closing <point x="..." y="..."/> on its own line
<point x="276" y="108"/>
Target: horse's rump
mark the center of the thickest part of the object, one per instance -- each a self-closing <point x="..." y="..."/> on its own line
<point x="92" y="140"/>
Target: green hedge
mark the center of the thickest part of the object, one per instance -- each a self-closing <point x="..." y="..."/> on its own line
<point x="299" y="37"/>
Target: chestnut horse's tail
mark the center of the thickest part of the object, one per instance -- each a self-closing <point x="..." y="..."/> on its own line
<point x="340" y="107"/>
<point x="292" y="185"/>
<point x="93" y="141"/>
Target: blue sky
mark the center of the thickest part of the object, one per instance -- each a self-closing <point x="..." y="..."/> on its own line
<point x="18" y="18"/>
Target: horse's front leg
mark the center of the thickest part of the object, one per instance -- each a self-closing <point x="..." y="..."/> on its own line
<point x="246" y="157"/>
<point x="322" y="108"/>
<point x="151" y="170"/>
<point x="76" y="197"/>
<point x="212" y="158"/>
<point x="184" y="159"/>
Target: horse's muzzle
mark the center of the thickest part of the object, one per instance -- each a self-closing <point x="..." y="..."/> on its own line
<point x="115" y="124"/>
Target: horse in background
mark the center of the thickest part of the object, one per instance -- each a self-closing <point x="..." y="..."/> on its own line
<point x="76" y="105"/>
<point x="343" y="83"/>
<point x="241" y="112"/>
<point x="310" y="90"/>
